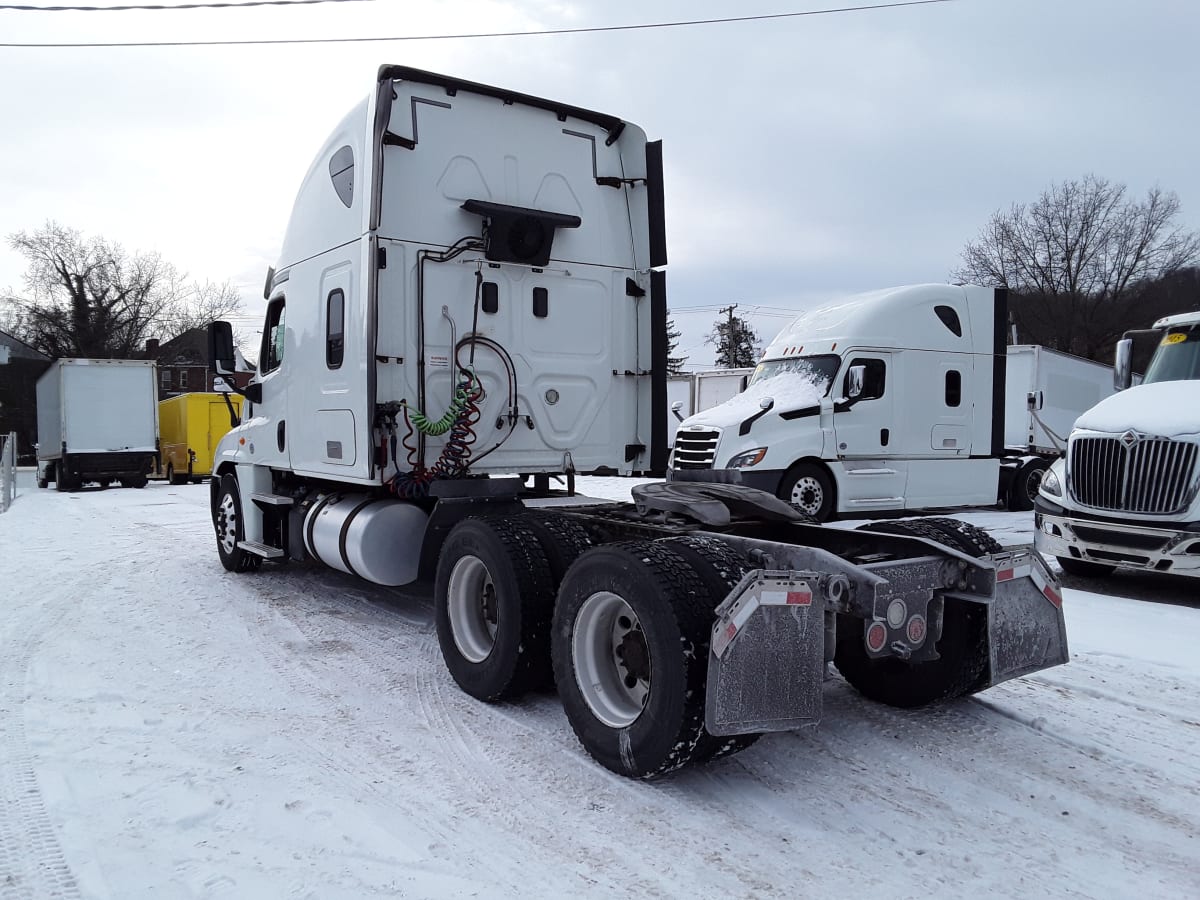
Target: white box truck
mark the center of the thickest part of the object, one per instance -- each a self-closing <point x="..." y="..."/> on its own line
<point x="1128" y="491"/>
<point x="97" y="421"/>
<point x="905" y="398"/>
<point x="470" y="285"/>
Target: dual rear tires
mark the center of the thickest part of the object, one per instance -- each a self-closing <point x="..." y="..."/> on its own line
<point x="624" y="626"/>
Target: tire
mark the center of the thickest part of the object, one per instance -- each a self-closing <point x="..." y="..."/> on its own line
<point x="106" y="482"/>
<point x="721" y="568"/>
<point x="174" y="479"/>
<point x="1023" y="489"/>
<point x="808" y="489"/>
<point x="63" y="481"/>
<point x="630" y="642"/>
<point x="561" y="538"/>
<point x="493" y="599"/>
<point x="137" y="481"/>
<point x="42" y="483"/>
<point x="1083" y="568"/>
<point x="962" y="648"/>
<point x="966" y="537"/>
<point x="229" y="527"/>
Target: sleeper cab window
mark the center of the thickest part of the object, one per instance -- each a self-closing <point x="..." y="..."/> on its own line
<point x="341" y="173"/>
<point x="335" y="328"/>
<point x="953" y="387"/>
<point x="271" y="354"/>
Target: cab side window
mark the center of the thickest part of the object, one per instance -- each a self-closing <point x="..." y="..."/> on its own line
<point x="874" y="378"/>
<point x="271" y="354"/>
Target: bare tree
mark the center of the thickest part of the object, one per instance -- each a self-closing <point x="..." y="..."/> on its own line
<point x="88" y="297"/>
<point x="1079" y="259"/>
<point x="736" y="341"/>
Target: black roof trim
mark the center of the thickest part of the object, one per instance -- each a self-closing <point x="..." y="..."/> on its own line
<point x="452" y="85"/>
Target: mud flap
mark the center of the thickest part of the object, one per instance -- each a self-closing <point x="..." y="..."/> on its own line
<point x="766" y="662"/>
<point x="1026" y="629"/>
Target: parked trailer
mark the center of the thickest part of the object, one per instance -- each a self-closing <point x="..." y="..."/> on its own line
<point x="905" y="398"/>
<point x="446" y="323"/>
<point x="1128" y="491"/>
<point x="190" y="427"/>
<point x="695" y="391"/>
<point x="97" y="421"/>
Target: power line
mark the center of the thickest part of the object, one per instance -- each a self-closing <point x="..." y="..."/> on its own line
<point x="162" y="7"/>
<point x="492" y="34"/>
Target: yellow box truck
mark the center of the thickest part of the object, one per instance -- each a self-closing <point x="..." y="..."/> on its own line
<point x="189" y="427"/>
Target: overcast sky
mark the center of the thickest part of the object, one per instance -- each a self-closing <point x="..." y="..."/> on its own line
<point x="805" y="157"/>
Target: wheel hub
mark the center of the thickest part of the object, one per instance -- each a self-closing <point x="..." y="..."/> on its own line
<point x="807" y="495"/>
<point x="613" y="664"/>
<point x="473" y="608"/>
<point x="227" y="524"/>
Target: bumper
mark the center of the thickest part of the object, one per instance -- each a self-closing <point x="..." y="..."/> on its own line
<point x="1167" y="547"/>
<point x="765" y="480"/>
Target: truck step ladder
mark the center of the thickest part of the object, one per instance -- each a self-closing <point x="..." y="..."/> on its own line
<point x="261" y="549"/>
<point x="271" y="500"/>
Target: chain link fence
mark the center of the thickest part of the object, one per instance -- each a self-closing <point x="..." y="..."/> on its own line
<point x="8" y="470"/>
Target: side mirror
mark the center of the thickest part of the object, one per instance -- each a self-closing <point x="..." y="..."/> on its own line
<point x="221" y="386"/>
<point x="1123" y="364"/>
<point x="220" y="348"/>
<point x="855" y="379"/>
<point x="675" y="409"/>
<point x="766" y="403"/>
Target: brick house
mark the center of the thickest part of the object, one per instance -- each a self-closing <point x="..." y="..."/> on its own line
<point x="20" y="368"/>
<point x="183" y="365"/>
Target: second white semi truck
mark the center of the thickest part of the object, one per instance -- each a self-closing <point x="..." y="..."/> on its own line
<point x="906" y="398"/>
<point x="470" y="285"/>
<point x="1128" y="491"/>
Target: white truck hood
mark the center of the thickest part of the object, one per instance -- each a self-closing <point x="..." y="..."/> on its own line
<point x="789" y="391"/>
<point x="1168" y="409"/>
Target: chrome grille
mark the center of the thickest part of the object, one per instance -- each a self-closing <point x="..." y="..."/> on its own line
<point x="695" y="449"/>
<point x="1150" y="475"/>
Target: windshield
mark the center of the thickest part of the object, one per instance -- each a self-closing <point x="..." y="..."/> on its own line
<point x="1177" y="357"/>
<point x="818" y="369"/>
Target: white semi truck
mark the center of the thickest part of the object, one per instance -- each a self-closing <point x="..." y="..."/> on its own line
<point x="470" y="285"/>
<point x="97" y="421"/>
<point x="905" y="398"/>
<point x="1128" y="491"/>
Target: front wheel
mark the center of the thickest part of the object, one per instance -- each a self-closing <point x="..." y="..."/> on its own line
<point x="227" y="521"/>
<point x="1083" y="568"/>
<point x="1023" y="489"/>
<point x="630" y="645"/>
<point x="809" y="489"/>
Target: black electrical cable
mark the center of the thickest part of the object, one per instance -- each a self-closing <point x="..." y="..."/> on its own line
<point x="492" y="34"/>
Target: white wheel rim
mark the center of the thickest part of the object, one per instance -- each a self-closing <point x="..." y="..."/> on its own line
<point x="808" y="495"/>
<point x="1033" y="482"/>
<point x="227" y="524"/>
<point x="605" y="647"/>
<point x="471" y="608"/>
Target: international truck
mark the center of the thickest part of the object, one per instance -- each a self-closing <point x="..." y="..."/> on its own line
<point x="97" y="421"/>
<point x="472" y="284"/>
<point x="900" y="399"/>
<point x="1128" y="491"/>
<point x="189" y="428"/>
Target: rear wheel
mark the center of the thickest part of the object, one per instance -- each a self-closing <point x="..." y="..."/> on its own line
<point x="1083" y="568"/>
<point x="630" y="642"/>
<point x="492" y="603"/>
<point x="172" y="478"/>
<point x="135" y="481"/>
<point x="962" y="648"/>
<point x="227" y="521"/>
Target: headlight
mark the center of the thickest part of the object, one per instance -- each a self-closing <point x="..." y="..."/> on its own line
<point x="1050" y="484"/>
<point x="747" y="459"/>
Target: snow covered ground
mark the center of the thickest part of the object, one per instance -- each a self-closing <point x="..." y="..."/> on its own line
<point x="171" y="730"/>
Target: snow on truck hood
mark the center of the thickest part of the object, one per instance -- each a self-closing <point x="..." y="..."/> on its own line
<point x="790" y="390"/>
<point x="1166" y="409"/>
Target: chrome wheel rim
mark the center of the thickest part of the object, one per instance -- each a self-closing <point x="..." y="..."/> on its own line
<point x="227" y="517"/>
<point x="471" y="608"/>
<point x="612" y="659"/>
<point x="1033" y="482"/>
<point x="808" y="495"/>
